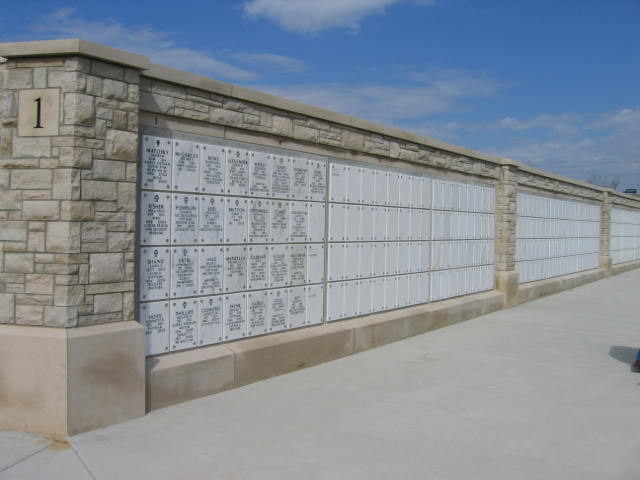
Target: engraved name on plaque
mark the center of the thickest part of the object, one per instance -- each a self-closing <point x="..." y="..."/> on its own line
<point x="184" y="272"/>
<point x="299" y="179"/>
<point x="184" y="228"/>
<point x="211" y="228"/>
<point x="258" y="266"/>
<point x="212" y="166"/>
<point x="235" y="316"/>
<point x="155" y="270"/>
<point x="315" y="263"/>
<point x="156" y="162"/>
<point x="235" y="269"/>
<point x="278" y="310"/>
<point x="155" y="216"/>
<point x="186" y="166"/>
<point x="298" y="222"/>
<point x="279" y="221"/>
<point x="259" y="221"/>
<point x="315" y="304"/>
<point x="260" y="175"/>
<point x="237" y="173"/>
<point x="236" y="215"/>
<point x="210" y="318"/>
<point x="281" y="177"/>
<point x="211" y="269"/>
<point x="297" y="307"/>
<point x="298" y="264"/>
<point x="183" y="330"/>
<point x="154" y="317"/>
<point x="317" y="180"/>
<point x="278" y="266"/>
<point x="257" y="313"/>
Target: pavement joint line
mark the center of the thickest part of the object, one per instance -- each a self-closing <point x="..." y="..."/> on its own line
<point x="27" y="457"/>
<point x="84" y="464"/>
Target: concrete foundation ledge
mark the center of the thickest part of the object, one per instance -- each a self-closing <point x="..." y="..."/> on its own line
<point x="624" y="267"/>
<point x="542" y="288"/>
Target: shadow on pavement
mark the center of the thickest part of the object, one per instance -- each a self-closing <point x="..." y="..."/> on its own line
<point x="625" y="355"/>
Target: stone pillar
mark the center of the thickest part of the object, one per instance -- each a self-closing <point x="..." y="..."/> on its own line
<point x="506" y="276"/>
<point x="605" y="234"/>
<point x="68" y="158"/>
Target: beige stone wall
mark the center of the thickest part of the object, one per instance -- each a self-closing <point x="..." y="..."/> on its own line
<point x="67" y="202"/>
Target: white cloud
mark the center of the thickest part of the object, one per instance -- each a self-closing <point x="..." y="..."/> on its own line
<point x="142" y="39"/>
<point x="272" y="62"/>
<point x="311" y="16"/>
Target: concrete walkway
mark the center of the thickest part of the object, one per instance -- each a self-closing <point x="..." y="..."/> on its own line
<point x="541" y="391"/>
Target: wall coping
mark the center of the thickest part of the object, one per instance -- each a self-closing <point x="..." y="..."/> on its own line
<point x="172" y="75"/>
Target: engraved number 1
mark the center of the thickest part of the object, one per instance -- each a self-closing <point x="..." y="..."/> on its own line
<point x="38" y="102"/>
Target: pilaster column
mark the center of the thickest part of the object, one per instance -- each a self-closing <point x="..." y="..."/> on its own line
<point x="506" y="276"/>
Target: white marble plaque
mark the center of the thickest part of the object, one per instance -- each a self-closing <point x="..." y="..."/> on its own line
<point x="378" y="294"/>
<point x="184" y="272"/>
<point x="379" y="259"/>
<point x="364" y="299"/>
<point x="393" y="188"/>
<point x="415" y="256"/>
<point x="403" y="290"/>
<point x="424" y="287"/>
<point x="212" y="166"/>
<point x="210" y="320"/>
<point x="404" y="224"/>
<point x="353" y="219"/>
<point x="392" y="258"/>
<point x="366" y="260"/>
<point x="414" y="290"/>
<point x="336" y="261"/>
<point x="351" y="261"/>
<point x="367" y="223"/>
<point x="335" y="302"/>
<point x="404" y="259"/>
<point x="299" y="179"/>
<point x="354" y="184"/>
<point x="425" y="225"/>
<point x="260" y="175"/>
<point x="279" y="265"/>
<point x="235" y="316"/>
<point x="317" y="180"/>
<point x="186" y="166"/>
<point x="416" y="191"/>
<point x="259" y="221"/>
<point x="155" y="271"/>
<point x="236" y="220"/>
<point x="257" y="313"/>
<point x="184" y="219"/>
<point x="391" y="293"/>
<point x="316" y="217"/>
<point x="183" y="329"/>
<point x="380" y="223"/>
<point x="258" y="267"/>
<point x="315" y="263"/>
<point x="368" y="186"/>
<point x="235" y="269"/>
<point x="427" y="186"/>
<point x="211" y="211"/>
<point x="315" y="304"/>
<point x="338" y="183"/>
<point x="281" y="177"/>
<point x="278" y="310"/>
<point x="337" y="222"/>
<point x="298" y="264"/>
<point x="416" y="224"/>
<point x="237" y="171"/>
<point x="279" y="221"/>
<point x="157" y="153"/>
<point x="154" y="317"/>
<point x="298" y="223"/>
<point x="211" y="270"/>
<point x="155" y="217"/>
<point x="381" y="183"/>
<point x="297" y="307"/>
<point x="351" y="298"/>
<point x="393" y="223"/>
<point x="405" y="190"/>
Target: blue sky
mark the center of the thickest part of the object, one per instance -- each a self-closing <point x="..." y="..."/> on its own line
<point x="553" y="84"/>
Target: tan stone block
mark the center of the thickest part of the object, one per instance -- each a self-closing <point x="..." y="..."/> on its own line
<point x="36" y="242"/>
<point x="109" y="170"/>
<point x="63" y="317"/>
<point x="63" y="237"/>
<point x="109" y="288"/>
<point x="29" y="315"/>
<point x="77" y="157"/>
<point x="10" y="199"/>
<point x="15" y="231"/>
<point x="79" y="109"/>
<point x="66" y="295"/>
<point x="67" y="81"/>
<point x="30" y="179"/>
<point x="225" y="117"/>
<point x="97" y="190"/>
<point x="114" y="89"/>
<point x="121" y="241"/>
<point x="76" y="211"/>
<point x="7" y="311"/>
<point x="33" y="299"/>
<point x="121" y="145"/>
<point x="94" y="232"/>
<point x="39" y="284"/>
<point x="5" y="178"/>
<point x="127" y="194"/>
<point x="107" y="303"/>
<point x="31" y="147"/>
<point x="66" y="184"/>
<point x="106" y="267"/>
<point x="17" y="78"/>
<point x="18" y="262"/>
<point x="40" y="210"/>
